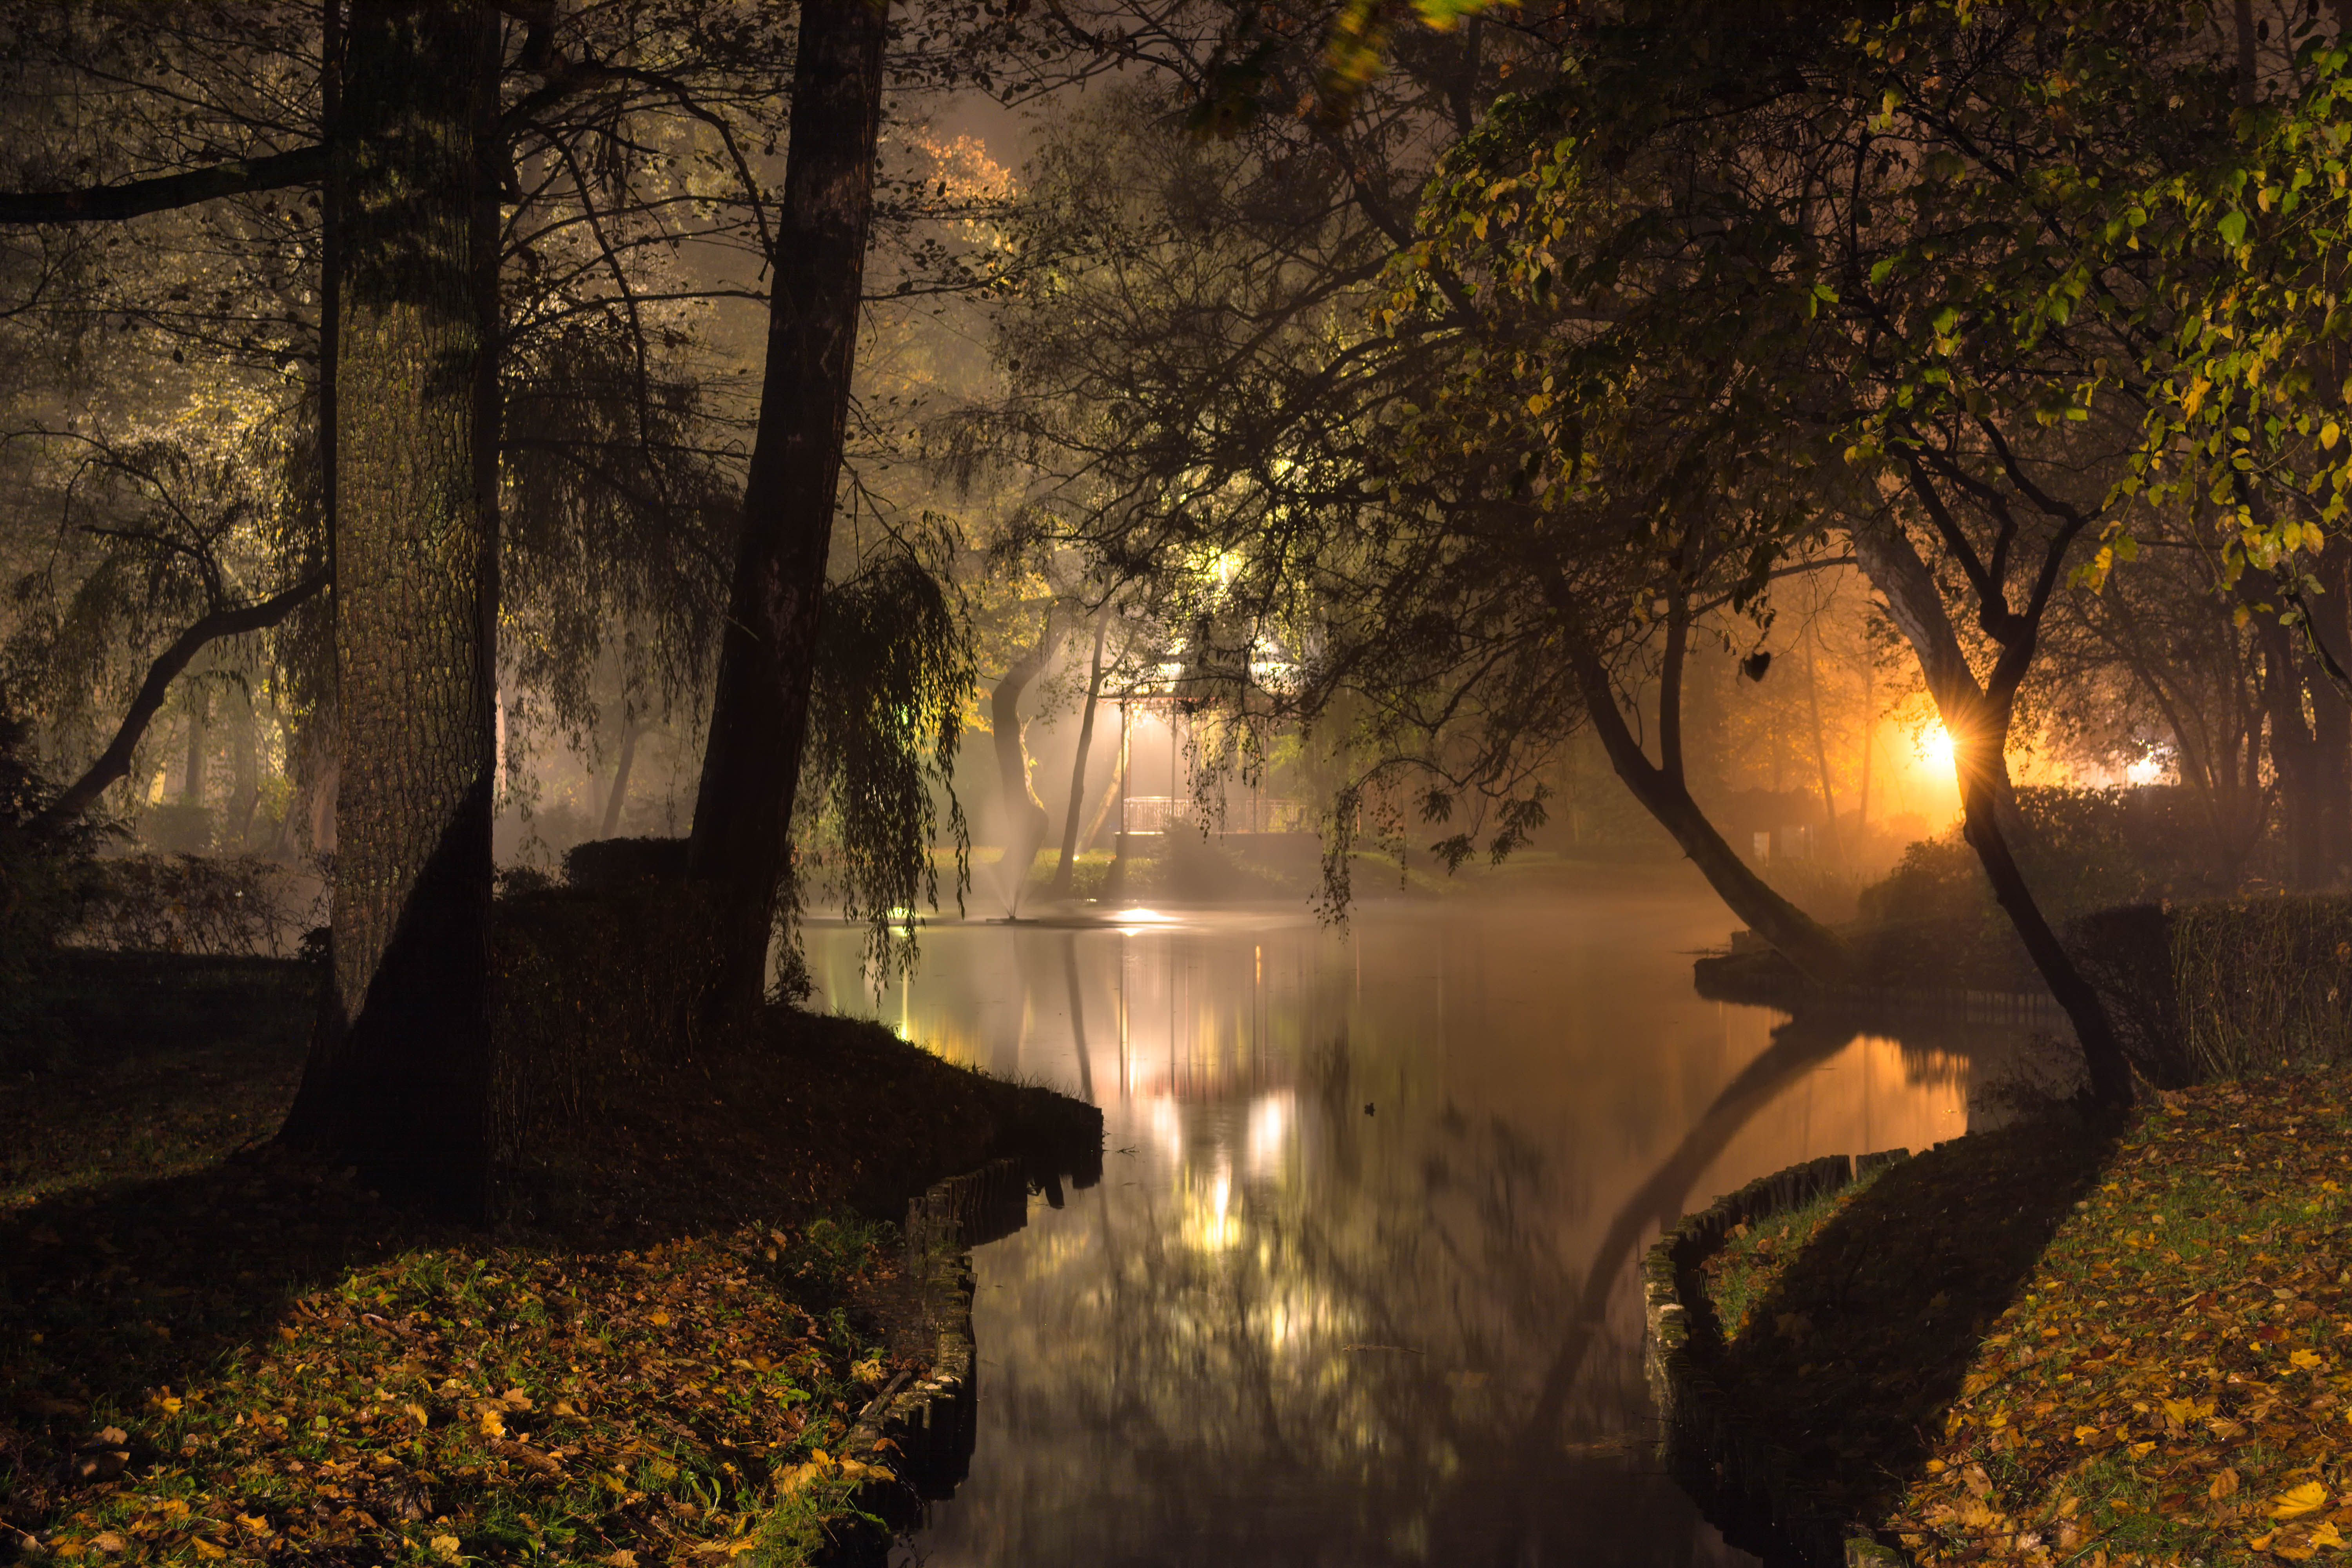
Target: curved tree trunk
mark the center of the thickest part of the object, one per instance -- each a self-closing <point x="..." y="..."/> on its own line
<point x="759" y="717"/>
<point x="1812" y="947"/>
<point x="398" y="1081"/>
<point x="114" y="762"/>
<point x="1978" y="723"/>
<point x="1066" y="869"/>
<point x="1026" y="822"/>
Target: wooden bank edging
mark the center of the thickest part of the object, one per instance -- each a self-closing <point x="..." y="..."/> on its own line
<point x="1738" y="1473"/>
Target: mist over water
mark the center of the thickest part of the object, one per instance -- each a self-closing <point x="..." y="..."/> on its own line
<point x="1357" y="1284"/>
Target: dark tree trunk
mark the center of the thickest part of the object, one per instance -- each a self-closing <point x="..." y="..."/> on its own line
<point x="1804" y="941"/>
<point x="245" y="776"/>
<point x="1026" y="822"/>
<point x="2331" y="727"/>
<point x="1978" y="719"/>
<point x="398" y="1081"/>
<point x="2293" y="751"/>
<point x="192" y="774"/>
<point x="758" y="719"/>
<point x="1066" y="869"/>
<point x="1822" y="759"/>
<point x="1663" y="791"/>
<point x="114" y="762"/>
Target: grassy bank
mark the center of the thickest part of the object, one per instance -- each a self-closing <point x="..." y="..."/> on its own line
<point x="210" y="1352"/>
<point x="2052" y="1345"/>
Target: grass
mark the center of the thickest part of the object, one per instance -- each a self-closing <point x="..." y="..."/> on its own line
<point x="2054" y="1345"/>
<point x="1739" y="1276"/>
<point x="214" y="1352"/>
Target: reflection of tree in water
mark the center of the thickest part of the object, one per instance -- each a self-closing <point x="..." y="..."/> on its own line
<point x="1413" y="1359"/>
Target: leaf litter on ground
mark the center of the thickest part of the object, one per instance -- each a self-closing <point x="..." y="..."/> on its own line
<point x="2052" y="1345"/>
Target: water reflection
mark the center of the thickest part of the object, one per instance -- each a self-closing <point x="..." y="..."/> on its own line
<point x="1357" y="1284"/>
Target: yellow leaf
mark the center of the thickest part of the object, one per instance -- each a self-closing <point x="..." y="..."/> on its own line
<point x="2084" y="1434"/>
<point x="2141" y="1450"/>
<point x="2304" y="1359"/>
<point x="2329" y="434"/>
<point x="658" y="1319"/>
<point x="445" y="1547"/>
<point x="418" y="1411"/>
<point x="2297" y="1502"/>
<point x="2328" y="1535"/>
<point x="491" y="1426"/>
<point x="2179" y="1411"/>
<point x="205" y="1549"/>
<point x="2225" y="1483"/>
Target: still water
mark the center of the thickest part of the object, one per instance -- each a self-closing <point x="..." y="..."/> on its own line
<point x="1357" y="1286"/>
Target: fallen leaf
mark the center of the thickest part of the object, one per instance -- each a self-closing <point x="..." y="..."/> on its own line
<point x="445" y="1547"/>
<point x="2297" y="1502"/>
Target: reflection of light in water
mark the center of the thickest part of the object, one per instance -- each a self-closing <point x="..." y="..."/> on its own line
<point x="1210" y="1226"/>
<point x="1269" y="1127"/>
<point x="1139" y="916"/>
<point x="1167" y="1126"/>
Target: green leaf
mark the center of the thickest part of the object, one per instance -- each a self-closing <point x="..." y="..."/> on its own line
<point x="2232" y="227"/>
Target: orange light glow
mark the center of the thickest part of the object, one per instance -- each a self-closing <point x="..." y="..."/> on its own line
<point x="1936" y="745"/>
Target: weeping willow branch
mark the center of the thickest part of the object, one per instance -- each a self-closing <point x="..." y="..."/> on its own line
<point x="893" y="668"/>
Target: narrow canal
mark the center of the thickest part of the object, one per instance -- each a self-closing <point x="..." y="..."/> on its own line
<point x="1357" y="1286"/>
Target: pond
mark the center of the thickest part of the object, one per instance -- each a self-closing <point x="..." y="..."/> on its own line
<point x="1357" y="1285"/>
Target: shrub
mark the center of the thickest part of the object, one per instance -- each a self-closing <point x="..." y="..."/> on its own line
<point x="2083" y="849"/>
<point x="598" y="992"/>
<point x="231" y="907"/>
<point x="2226" y="987"/>
<point x="45" y="872"/>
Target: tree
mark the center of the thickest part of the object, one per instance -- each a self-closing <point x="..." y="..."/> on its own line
<point x="399" y="1076"/>
<point x="1209" y="368"/>
<point x="1065" y="865"/>
<point x="759" y="717"/>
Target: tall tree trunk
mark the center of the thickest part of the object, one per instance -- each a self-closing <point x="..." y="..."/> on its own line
<point x="1067" y="868"/>
<point x="398" y="1081"/>
<point x="1978" y="723"/>
<point x="758" y="718"/>
<point x="2331" y="726"/>
<point x="1025" y="821"/>
<point x="618" y="795"/>
<point x="1869" y="749"/>
<point x="245" y="775"/>
<point x="2294" y="751"/>
<point x="1821" y="758"/>
<point x="191" y="776"/>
